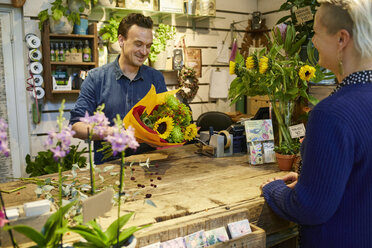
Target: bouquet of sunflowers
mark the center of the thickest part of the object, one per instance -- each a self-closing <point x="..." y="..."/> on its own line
<point x="281" y="75"/>
<point x="161" y="120"/>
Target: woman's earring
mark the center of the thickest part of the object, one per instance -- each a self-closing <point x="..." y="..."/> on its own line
<point x="340" y="66"/>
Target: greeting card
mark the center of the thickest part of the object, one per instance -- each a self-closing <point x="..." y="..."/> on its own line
<point x="155" y="245"/>
<point x="196" y="240"/>
<point x="255" y="153"/>
<point x="268" y="151"/>
<point x="239" y="228"/>
<point x="216" y="235"/>
<point x="259" y="130"/>
<point x="174" y="243"/>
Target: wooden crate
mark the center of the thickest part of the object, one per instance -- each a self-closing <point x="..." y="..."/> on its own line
<point x="255" y="239"/>
<point x="257" y="102"/>
<point x="182" y="226"/>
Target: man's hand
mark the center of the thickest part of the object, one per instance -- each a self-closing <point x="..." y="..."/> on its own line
<point x="290" y="179"/>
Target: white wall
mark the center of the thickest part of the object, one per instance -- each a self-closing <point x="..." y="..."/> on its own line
<point x="205" y="36"/>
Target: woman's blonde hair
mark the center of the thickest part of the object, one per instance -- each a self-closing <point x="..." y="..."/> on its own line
<point x="353" y="15"/>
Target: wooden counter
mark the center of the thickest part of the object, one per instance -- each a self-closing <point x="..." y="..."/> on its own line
<point x="193" y="188"/>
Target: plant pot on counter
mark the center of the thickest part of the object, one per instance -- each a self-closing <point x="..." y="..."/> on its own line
<point x="63" y="26"/>
<point x="285" y="162"/>
<point x="161" y="61"/>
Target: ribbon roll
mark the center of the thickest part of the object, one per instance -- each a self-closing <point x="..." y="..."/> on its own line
<point x="227" y="136"/>
<point x="36" y="68"/>
<point x="34" y="55"/>
<point x="38" y="80"/>
<point x="38" y="93"/>
<point x="32" y="41"/>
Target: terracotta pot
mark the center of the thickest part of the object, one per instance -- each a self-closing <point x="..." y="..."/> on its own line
<point x="285" y="162"/>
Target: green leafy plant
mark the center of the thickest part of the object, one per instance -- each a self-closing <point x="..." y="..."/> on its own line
<point x="301" y="28"/>
<point x="109" y="32"/>
<point x="52" y="231"/>
<point x="162" y="34"/>
<point x="95" y="237"/>
<point x="288" y="148"/>
<point x="44" y="162"/>
<point x="281" y="75"/>
<point x="60" y="9"/>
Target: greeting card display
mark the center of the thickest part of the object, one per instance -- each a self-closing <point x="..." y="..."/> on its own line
<point x="260" y="138"/>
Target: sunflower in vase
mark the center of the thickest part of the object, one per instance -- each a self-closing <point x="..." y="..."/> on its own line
<point x="161" y="120"/>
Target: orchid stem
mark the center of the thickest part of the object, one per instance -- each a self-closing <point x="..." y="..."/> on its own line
<point x="91" y="169"/>
<point x="122" y="170"/>
<point x="6" y="217"/>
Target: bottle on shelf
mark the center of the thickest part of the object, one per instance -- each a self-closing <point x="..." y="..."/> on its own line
<point x="73" y="48"/>
<point x="80" y="47"/>
<point x="67" y="52"/>
<point x="52" y="53"/>
<point x="61" y="55"/>
<point x="87" y="54"/>
<point x="56" y="51"/>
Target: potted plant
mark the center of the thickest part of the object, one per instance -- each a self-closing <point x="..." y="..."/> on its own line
<point x="109" y="33"/>
<point x="163" y="34"/>
<point x="301" y="28"/>
<point x="282" y="76"/>
<point x="61" y="18"/>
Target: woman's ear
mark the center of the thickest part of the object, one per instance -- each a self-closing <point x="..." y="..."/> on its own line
<point x="343" y="39"/>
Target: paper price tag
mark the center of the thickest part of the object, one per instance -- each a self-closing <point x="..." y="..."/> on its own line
<point x="297" y="131"/>
<point x="304" y="14"/>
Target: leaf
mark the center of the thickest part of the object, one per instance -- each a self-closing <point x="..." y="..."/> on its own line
<point x="88" y="234"/>
<point x="108" y="168"/>
<point x="30" y="233"/>
<point x="118" y="223"/>
<point x="150" y="202"/>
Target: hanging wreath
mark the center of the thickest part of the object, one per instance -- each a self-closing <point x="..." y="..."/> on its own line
<point x="187" y="79"/>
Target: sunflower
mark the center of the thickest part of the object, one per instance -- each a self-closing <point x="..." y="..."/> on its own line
<point x="190" y="132"/>
<point x="232" y="68"/>
<point x="163" y="127"/>
<point x="263" y="64"/>
<point x="250" y="63"/>
<point x="307" y="72"/>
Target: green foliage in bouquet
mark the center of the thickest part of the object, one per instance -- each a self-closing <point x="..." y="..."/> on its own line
<point x="281" y="75"/>
<point x="44" y="162"/>
<point x="171" y="121"/>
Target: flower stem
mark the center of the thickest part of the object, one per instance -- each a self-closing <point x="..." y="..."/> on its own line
<point x="60" y="184"/>
<point x="91" y="168"/>
<point x="121" y="184"/>
<point x="6" y="217"/>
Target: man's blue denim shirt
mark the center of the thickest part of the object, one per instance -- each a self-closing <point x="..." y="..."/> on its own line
<point x="107" y="84"/>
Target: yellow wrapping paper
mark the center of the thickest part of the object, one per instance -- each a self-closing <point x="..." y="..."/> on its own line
<point x="148" y="103"/>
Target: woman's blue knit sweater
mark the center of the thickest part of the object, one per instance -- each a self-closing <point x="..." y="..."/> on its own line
<point x="332" y="200"/>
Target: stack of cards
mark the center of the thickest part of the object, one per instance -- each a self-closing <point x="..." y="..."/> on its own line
<point x="260" y="141"/>
<point x="155" y="245"/>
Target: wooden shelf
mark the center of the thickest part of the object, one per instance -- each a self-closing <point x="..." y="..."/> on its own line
<point x="65" y="91"/>
<point x="47" y="37"/>
<point x="71" y="36"/>
<point x="74" y="64"/>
